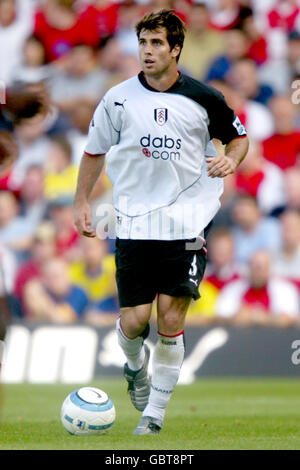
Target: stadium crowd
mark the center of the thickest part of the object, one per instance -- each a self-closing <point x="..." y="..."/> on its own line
<point x="68" y="53"/>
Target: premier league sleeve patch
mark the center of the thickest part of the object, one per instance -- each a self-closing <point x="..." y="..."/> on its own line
<point x="241" y="130"/>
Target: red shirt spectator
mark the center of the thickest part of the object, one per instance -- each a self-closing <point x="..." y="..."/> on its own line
<point x="282" y="150"/>
<point x="221" y="267"/>
<point x="42" y="250"/>
<point x="66" y="234"/>
<point x="284" y="15"/>
<point x="283" y="147"/>
<point x="258" y="50"/>
<point x="60" y="35"/>
<point x="102" y="18"/>
<point x="261" y="179"/>
<point x="260" y="298"/>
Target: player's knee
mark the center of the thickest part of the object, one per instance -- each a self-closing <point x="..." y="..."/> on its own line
<point x="170" y="322"/>
<point x="134" y="322"/>
<point x="171" y="315"/>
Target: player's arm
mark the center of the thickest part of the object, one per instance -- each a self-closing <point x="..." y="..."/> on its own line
<point x="225" y="126"/>
<point x="104" y="132"/>
<point x="223" y="165"/>
<point x="89" y="171"/>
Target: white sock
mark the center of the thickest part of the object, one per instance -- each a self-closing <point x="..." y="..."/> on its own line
<point x="132" y="348"/>
<point x="166" y="364"/>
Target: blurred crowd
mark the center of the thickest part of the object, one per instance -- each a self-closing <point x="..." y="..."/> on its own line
<point x="67" y="54"/>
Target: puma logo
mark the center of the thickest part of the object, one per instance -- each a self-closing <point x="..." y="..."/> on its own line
<point x="193" y="280"/>
<point x="116" y="103"/>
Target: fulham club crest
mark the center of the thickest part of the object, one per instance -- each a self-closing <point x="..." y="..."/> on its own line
<point x="161" y="115"/>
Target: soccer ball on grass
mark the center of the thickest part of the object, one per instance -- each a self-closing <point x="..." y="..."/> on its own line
<point x="86" y="411"/>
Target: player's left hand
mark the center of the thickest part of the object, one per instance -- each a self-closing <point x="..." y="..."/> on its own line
<point x="220" y="166"/>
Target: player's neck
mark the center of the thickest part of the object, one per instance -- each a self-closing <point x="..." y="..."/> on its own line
<point x="162" y="82"/>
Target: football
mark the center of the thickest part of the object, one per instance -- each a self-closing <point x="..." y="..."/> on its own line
<point x="88" y="411"/>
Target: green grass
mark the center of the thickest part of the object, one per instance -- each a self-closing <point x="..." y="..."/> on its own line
<point x="244" y="414"/>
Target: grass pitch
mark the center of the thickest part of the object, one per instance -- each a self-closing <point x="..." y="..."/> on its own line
<point x="244" y="414"/>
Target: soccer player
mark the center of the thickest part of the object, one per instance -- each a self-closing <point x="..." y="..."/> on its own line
<point x="158" y="127"/>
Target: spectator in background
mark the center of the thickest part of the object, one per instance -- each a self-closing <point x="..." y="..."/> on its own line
<point x="221" y="270"/>
<point x="258" y="45"/>
<point x="292" y="187"/>
<point x="94" y="272"/>
<point x="59" y="27"/>
<point x="33" y="205"/>
<point x="128" y="68"/>
<point x="8" y="155"/>
<point x="102" y="18"/>
<point x="285" y="15"/>
<point x="251" y="231"/>
<point x="280" y="72"/>
<point x="33" y="146"/>
<point x="222" y="266"/>
<point x="226" y="14"/>
<point x="261" y="179"/>
<point x="53" y="297"/>
<point x="33" y="68"/>
<point x="110" y="55"/>
<point x="80" y="120"/>
<point x="287" y="260"/>
<point x="81" y="80"/>
<point x="15" y="231"/>
<point x="16" y="23"/>
<point x="254" y="116"/>
<point x="243" y="77"/>
<point x="129" y="13"/>
<point x="42" y="250"/>
<point x="194" y="59"/>
<point x="20" y="103"/>
<point x="259" y="299"/>
<point x="293" y="55"/>
<point x="223" y="218"/>
<point x="66" y="235"/>
<point x="236" y="47"/>
<point x="60" y="173"/>
<point x="283" y="147"/>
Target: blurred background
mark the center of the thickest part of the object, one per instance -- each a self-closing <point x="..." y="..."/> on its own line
<point x="67" y="54"/>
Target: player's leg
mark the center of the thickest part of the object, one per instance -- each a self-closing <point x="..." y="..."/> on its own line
<point x="132" y="329"/>
<point x="180" y="272"/>
<point x="136" y="290"/>
<point x="167" y="360"/>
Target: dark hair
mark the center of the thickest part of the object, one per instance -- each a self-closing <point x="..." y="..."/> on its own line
<point x="164" y="19"/>
<point x="21" y="103"/>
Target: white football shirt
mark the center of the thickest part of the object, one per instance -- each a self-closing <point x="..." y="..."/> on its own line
<point x="155" y="144"/>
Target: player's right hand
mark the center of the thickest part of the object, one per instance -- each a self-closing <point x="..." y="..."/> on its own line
<point x="83" y="219"/>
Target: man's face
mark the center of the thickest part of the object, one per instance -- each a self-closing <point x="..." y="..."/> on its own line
<point x="154" y="52"/>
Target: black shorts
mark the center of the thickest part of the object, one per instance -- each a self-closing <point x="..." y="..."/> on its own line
<point x="146" y="268"/>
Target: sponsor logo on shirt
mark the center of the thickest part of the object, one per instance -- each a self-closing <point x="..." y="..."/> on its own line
<point x="165" y="148"/>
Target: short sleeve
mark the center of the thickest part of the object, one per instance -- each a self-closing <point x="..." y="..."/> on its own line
<point x="104" y="130"/>
<point x="223" y="123"/>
